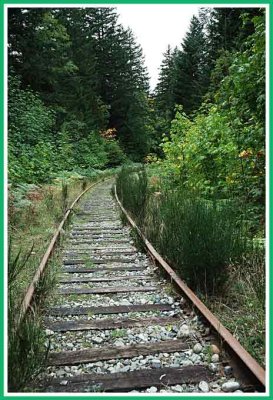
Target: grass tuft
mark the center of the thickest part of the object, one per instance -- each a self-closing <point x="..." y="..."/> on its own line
<point x="27" y="352"/>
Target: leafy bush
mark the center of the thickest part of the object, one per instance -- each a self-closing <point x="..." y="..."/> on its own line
<point x="115" y="155"/>
<point x="30" y="121"/>
<point x="221" y="150"/>
<point x="37" y="153"/>
<point x="32" y="155"/>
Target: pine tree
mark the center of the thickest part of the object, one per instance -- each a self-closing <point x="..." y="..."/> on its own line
<point x="190" y="68"/>
<point x="164" y="91"/>
<point x="39" y="49"/>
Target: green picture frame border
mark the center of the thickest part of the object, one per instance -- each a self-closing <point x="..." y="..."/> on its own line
<point x="3" y="218"/>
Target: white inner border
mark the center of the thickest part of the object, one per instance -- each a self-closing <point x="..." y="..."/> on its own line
<point x="10" y="394"/>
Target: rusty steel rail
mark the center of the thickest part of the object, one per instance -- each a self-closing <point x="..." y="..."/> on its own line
<point x="223" y="332"/>
<point x="31" y="288"/>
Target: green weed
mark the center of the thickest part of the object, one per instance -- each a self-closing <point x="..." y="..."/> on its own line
<point x="27" y="352"/>
<point x="118" y="333"/>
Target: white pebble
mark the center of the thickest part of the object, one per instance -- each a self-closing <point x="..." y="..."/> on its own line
<point x="197" y="348"/>
<point x="203" y="386"/>
<point x="213" y="367"/>
<point x="215" y="358"/>
<point x="184" y="331"/>
<point x="152" y="389"/>
<point x="230" y="386"/>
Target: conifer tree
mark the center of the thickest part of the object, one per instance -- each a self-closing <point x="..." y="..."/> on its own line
<point x="190" y="71"/>
<point x="164" y="91"/>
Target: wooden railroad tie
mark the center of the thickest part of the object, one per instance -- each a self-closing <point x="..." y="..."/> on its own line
<point x="99" y="269"/>
<point x="126" y="381"/>
<point x="98" y="261"/>
<point x="82" y="325"/>
<point x="96" y="280"/>
<point x="110" y="289"/>
<point x="62" y="311"/>
<point x="111" y="353"/>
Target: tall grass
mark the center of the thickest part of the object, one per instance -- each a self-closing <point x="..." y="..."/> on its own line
<point x="16" y="262"/>
<point x="27" y="346"/>
<point x="198" y="237"/>
<point x="132" y="187"/>
<point x="64" y="196"/>
<point x="27" y="352"/>
<point x="241" y="307"/>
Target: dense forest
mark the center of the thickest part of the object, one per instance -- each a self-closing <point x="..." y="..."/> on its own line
<point x="190" y="154"/>
<point x="78" y="92"/>
<point x="79" y="99"/>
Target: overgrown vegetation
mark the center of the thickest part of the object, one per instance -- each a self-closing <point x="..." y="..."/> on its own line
<point x="27" y="343"/>
<point x="199" y="237"/>
<point x="38" y="154"/>
<point x="207" y="242"/>
<point x="132" y="188"/>
<point x="79" y="105"/>
<point x="27" y="352"/>
<point x="241" y="307"/>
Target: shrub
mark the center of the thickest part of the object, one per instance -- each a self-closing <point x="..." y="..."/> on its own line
<point x="115" y="154"/>
<point x="132" y="189"/>
<point x="198" y="237"/>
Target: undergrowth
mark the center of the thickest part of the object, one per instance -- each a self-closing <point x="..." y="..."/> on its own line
<point x="27" y="345"/>
<point x="207" y="241"/>
<point x="27" y="352"/>
<point x="197" y="236"/>
<point x="241" y="307"/>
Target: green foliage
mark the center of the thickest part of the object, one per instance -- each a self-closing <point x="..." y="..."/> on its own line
<point x="35" y="157"/>
<point x="16" y="263"/>
<point x="253" y="272"/>
<point x="242" y="307"/>
<point x="29" y="120"/>
<point x="190" y="68"/>
<point x="221" y="151"/>
<point x="26" y="342"/>
<point x="194" y="72"/>
<point x="27" y="353"/>
<point x="39" y="49"/>
<point x="132" y="191"/>
<point x="115" y="155"/>
<point x="201" y="154"/>
<point x="32" y="156"/>
<point x="164" y="91"/>
<point x="90" y="70"/>
<point x="89" y="152"/>
<point x="198" y="237"/>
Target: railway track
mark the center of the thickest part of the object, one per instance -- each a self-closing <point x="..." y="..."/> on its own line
<point x="116" y="325"/>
